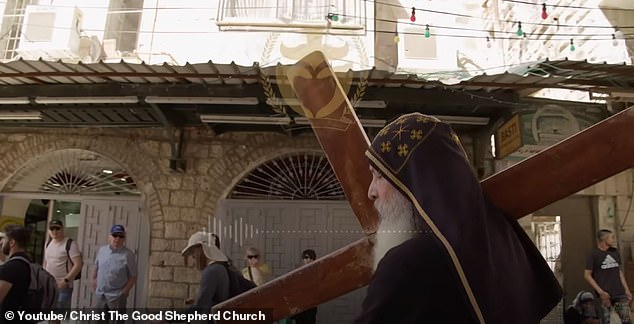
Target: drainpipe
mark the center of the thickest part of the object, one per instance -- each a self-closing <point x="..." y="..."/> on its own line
<point x="177" y="163"/>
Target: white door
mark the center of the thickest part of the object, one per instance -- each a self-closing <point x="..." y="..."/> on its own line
<point x="282" y="230"/>
<point x="97" y="217"/>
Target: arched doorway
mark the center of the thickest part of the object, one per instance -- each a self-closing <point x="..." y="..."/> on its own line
<point x="89" y="193"/>
<point x="283" y="206"/>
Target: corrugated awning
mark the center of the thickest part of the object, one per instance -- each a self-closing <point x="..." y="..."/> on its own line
<point x="558" y="74"/>
<point x="36" y="85"/>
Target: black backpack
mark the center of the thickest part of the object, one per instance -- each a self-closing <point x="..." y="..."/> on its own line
<point x="68" y="242"/>
<point x="237" y="283"/>
<point x="41" y="295"/>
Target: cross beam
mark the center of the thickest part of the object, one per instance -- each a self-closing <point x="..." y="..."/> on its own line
<point x="580" y="161"/>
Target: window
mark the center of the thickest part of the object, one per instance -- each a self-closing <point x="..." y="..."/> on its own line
<point x="300" y="176"/>
<point x="12" y="27"/>
<point x="123" y="24"/>
<point x="296" y="15"/>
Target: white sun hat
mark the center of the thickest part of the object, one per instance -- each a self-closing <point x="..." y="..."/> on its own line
<point x="207" y="241"/>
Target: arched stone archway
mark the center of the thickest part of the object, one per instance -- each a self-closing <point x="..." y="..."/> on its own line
<point x="285" y="203"/>
<point x="123" y="151"/>
<point x="32" y="165"/>
<point x="255" y="154"/>
<point x="72" y="171"/>
<point x="302" y="175"/>
<point x="176" y="204"/>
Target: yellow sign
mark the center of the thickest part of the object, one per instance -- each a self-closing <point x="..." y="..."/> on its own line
<point x="508" y="137"/>
<point x="10" y="220"/>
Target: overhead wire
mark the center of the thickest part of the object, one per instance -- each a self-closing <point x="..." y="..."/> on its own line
<point x="489" y="34"/>
<point x="128" y="10"/>
<point x="486" y="33"/>
<point x="490" y="19"/>
<point x="568" y="6"/>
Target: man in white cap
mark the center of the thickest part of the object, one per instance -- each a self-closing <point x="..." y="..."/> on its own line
<point x="214" y="279"/>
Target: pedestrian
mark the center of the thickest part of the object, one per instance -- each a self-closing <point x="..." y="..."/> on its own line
<point x="115" y="272"/>
<point x="603" y="272"/>
<point x="3" y="257"/>
<point x="15" y="275"/>
<point x="214" y="279"/>
<point x="63" y="260"/>
<point x="256" y="270"/>
<point x="582" y="310"/>
<point x="443" y="252"/>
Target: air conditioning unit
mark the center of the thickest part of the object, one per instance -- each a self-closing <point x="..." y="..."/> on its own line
<point x="50" y="33"/>
<point x="90" y="49"/>
<point x="416" y="53"/>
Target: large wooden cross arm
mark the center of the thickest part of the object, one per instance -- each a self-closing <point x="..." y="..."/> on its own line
<point x="597" y="153"/>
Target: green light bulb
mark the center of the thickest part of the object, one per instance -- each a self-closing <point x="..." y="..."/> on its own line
<point x="335" y="18"/>
<point x="519" y="32"/>
<point x="427" y="32"/>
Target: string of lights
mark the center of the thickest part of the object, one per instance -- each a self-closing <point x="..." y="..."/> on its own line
<point x="490" y="34"/>
<point x="556" y="24"/>
<point x="428" y="30"/>
<point x="334" y="15"/>
<point x="242" y="7"/>
<point x="568" y="6"/>
<point x="433" y="30"/>
<point x="426" y="34"/>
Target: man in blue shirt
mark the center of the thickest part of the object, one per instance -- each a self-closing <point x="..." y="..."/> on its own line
<point x="115" y="272"/>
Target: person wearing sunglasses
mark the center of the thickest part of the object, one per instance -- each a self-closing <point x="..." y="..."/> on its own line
<point x="114" y="273"/>
<point x="62" y="259"/>
<point x="256" y="270"/>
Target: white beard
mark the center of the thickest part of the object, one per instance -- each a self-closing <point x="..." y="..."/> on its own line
<point x="397" y="225"/>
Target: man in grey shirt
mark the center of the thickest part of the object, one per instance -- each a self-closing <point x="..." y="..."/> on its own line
<point x="214" y="278"/>
<point x="115" y="272"/>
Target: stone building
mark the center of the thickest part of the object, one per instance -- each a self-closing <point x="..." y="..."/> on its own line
<point x="172" y="149"/>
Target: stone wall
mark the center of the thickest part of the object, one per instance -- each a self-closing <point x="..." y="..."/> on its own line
<point x="177" y="204"/>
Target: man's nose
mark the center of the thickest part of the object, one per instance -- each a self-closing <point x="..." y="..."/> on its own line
<point x="372" y="191"/>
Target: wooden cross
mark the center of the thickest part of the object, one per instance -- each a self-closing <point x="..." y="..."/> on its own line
<point x="582" y="160"/>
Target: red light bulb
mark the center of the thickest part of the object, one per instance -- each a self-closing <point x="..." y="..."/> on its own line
<point x="413" y="17"/>
<point x="544" y="13"/>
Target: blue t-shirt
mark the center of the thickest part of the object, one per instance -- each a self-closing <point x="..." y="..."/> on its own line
<point x="114" y="268"/>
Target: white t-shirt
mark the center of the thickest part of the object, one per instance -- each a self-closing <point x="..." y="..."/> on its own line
<point x="57" y="262"/>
